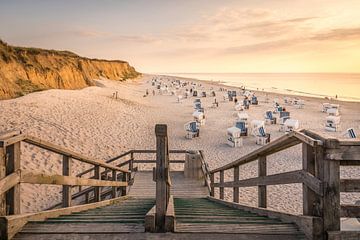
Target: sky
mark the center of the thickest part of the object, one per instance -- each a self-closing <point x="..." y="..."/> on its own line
<point x="182" y="36"/>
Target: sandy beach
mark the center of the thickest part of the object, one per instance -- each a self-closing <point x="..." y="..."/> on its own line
<point x="91" y="122"/>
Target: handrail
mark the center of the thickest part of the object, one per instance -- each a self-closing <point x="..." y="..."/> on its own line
<point x="320" y="176"/>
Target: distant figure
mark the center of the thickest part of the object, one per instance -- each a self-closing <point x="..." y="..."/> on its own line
<point x="153" y="92"/>
<point x="235" y="100"/>
<point x="336" y="96"/>
<point x="190" y="90"/>
<point x="147" y="92"/>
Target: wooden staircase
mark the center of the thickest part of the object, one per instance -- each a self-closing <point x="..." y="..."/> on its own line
<point x="124" y="217"/>
<point x="200" y="215"/>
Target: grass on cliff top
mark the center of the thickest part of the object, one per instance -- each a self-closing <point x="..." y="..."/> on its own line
<point x="26" y="87"/>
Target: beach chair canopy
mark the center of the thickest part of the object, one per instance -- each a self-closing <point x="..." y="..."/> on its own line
<point x="261" y="132"/>
<point x="351" y="133"/>
<point x="284" y="114"/>
<point x="197" y="100"/>
<point x="333" y="119"/>
<point x="198" y="115"/>
<point x="233" y="131"/>
<point x="332" y="111"/>
<point x="257" y="123"/>
<point x="269" y="115"/>
<point x="293" y="123"/>
<point x="191" y="126"/>
<point x="240" y="125"/>
<point x="243" y="116"/>
<point x="197" y="105"/>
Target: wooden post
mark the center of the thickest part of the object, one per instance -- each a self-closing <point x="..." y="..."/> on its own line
<point x="114" y="178"/>
<point x="2" y="175"/>
<point x="12" y="165"/>
<point x="124" y="179"/>
<point x="236" y="189"/>
<point x="212" y="181"/>
<point x="66" y="192"/>
<point x="162" y="176"/>
<point x="221" y="182"/>
<point x="331" y="184"/>
<point x="310" y="199"/>
<point x="262" y="188"/>
<point x="97" y="194"/>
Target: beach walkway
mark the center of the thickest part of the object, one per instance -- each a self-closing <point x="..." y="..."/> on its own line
<point x="122" y="201"/>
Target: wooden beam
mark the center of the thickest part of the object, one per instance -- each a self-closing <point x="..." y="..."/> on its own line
<point x="350" y="211"/>
<point x="114" y="189"/>
<point x="97" y="189"/>
<point x="262" y="188"/>
<point x="13" y="165"/>
<point x="344" y="153"/>
<point x="349" y="185"/>
<point x="40" y="178"/>
<point x="212" y="182"/>
<point x="221" y="184"/>
<point x="236" y="189"/>
<point x="10" y="225"/>
<point x="162" y="176"/>
<point x="279" y="144"/>
<point x="9" y="134"/>
<point x="298" y="176"/>
<point x="60" y="150"/>
<point x="66" y="192"/>
<point x="307" y="139"/>
<point x="9" y="182"/>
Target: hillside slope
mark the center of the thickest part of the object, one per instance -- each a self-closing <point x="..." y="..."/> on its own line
<point x="25" y="70"/>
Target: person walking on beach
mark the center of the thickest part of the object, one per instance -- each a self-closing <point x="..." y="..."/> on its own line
<point x="235" y="100"/>
<point x="153" y="92"/>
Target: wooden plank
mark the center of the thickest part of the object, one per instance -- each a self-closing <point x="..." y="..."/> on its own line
<point x="154" y="161"/>
<point x="9" y="182"/>
<point x="349" y="163"/>
<point x="66" y="191"/>
<point x="331" y="198"/>
<point x="162" y="175"/>
<point x="212" y="181"/>
<point x="349" y="185"/>
<point x="298" y="176"/>
<point x="310" y="198"/>
<point x="10" y="225"/>
<point x="60" y="150"/>
<point x="350" y="211"/>
<point x="150" y="220"/>
<point x="97" y="190"/>
<point x="344" y="153"/>
<point x="307" y="139"/>
<point x="170" y="216"/>
<point x="13" y="165"/>
<point x="277" y="145"/>
<point x="9" y="134"/>
<point x="40" y="178"/>
<point x="311" y="226"/>
<point x="114" y="189"/>
<point x="343" y="235"/>
<point x="154" y="151"/>
<point x="262" y="188"/>
<point x="236" y="189"/>
<point x="14" y="139"/>
<point x="221" y="190"/>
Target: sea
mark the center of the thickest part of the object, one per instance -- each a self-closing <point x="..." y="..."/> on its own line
<point x="343" y="86"/>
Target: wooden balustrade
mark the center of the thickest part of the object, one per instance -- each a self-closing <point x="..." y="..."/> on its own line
<point x="320" y="176"/>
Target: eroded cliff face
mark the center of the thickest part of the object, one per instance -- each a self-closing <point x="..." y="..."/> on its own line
<point x="25" y="70"/>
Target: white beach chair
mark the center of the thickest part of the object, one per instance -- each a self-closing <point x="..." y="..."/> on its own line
<point x="262" y="137"/>
<point x="255" y="124"/>
<point x="332" y="123"/>
<point x="332" y="111"/>
<point x="350" y="133"/>
<point x="298" y="103"/>
<point x="291" y="125"/>
<point x="199" y="117"/>
<point x="269" y="118"/>
<point x="179" y="99"/>
<point x="243" y="116"/>
<point x="234" y="137"/>
<point x="192" y="130"/>
<point x="239" y="107"/>
<point x="226" y="97"/>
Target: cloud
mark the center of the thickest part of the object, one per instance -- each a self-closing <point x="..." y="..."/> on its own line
<point x="339" y="34"/>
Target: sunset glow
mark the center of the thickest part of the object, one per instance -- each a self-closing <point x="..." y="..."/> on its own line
<point x="195" y="36"/>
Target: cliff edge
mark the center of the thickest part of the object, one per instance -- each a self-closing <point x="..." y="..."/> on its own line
<point x="26" y="70"/>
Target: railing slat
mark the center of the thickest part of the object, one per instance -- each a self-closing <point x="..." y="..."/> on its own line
<point x="221" y="184"/>
<point x="66" y="192"/>
<point x="236" y="189"/>
<point x="262" y="188"/>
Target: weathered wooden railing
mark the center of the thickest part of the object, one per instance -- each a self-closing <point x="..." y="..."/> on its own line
<point x="320" y="176"/>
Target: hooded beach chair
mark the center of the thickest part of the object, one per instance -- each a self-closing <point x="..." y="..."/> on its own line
<point x="255" y="124"/>
<point x="332" y="111"/>
<point x="269" y="118"/>
<point x="246" y="103"/>
<point x="195" y="93"/>
<point x="234" y="137"/>
<point x="203" y="94"/>
<point x="283" y="116"/>
<point x="199" y="117"/>
<point x="332" y="123"/>
<point x="291" y="125"/>
<point x="262" y="137"/>
<point x="192" y="129"/>
<point x="350" y="133"/>
<point x="242" y="125"/>
<point x="254" y="100"/>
